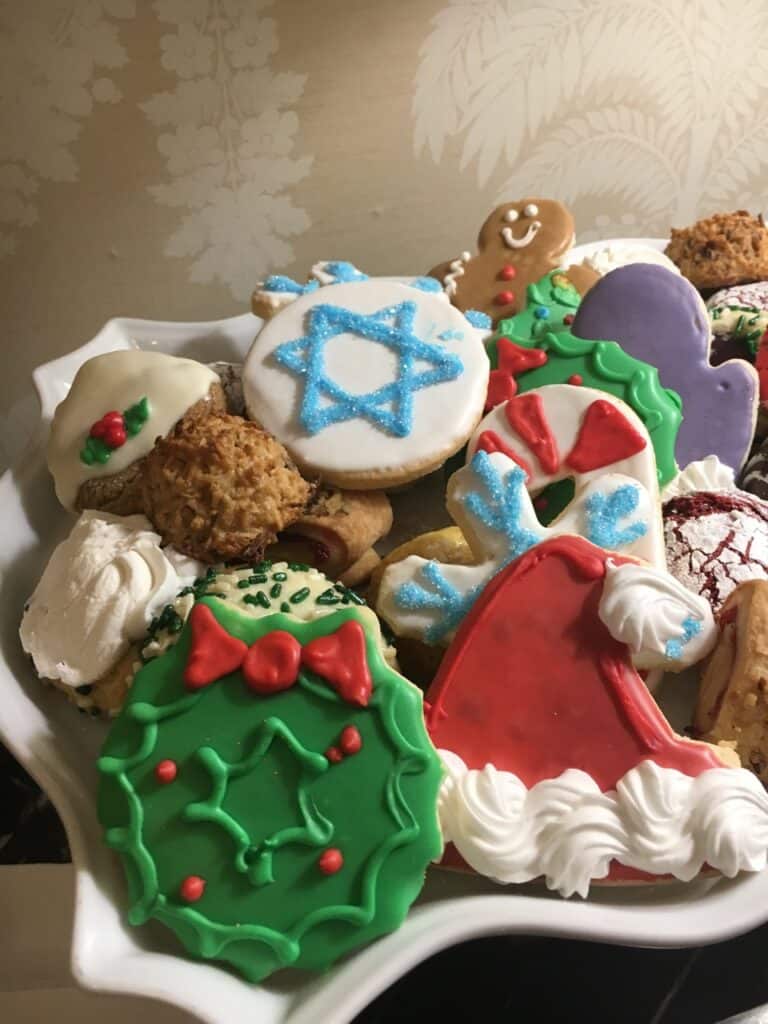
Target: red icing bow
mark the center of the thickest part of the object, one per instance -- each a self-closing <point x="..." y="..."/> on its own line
<point x="272" y="663"/>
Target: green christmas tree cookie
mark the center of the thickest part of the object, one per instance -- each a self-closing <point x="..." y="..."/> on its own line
<point x="271" y="789"/>
<point x="550" y="305"/>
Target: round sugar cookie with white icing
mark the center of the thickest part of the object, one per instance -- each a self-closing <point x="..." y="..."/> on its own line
<point x="368" y="384"/>
<point x="118" y="405"/>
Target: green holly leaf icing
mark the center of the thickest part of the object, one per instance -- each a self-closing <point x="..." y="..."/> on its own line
<point x="555" y="295"/>
<point x="255" y="803"/>
<point x="136" y="416"/>
<point x="95" y="450"/>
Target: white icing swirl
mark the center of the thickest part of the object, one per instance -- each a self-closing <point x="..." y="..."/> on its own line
<point x="708" y="474"/>
<point x="611" y="257"/>
<point x="664" y="624"/>
<point x="450" y="281"/>
<point x="99" y="592"/>
<point x="657" y="820"/>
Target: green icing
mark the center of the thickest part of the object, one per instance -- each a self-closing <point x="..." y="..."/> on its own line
<point x="556" y="295"/>
<point x="255" y="803"/>
<point x="605" y="366"/>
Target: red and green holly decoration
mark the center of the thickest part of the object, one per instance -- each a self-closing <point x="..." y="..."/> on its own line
<point x="112" y="431"/>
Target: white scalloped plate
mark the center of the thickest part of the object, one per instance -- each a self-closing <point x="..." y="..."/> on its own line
<point x="58" y="747"/>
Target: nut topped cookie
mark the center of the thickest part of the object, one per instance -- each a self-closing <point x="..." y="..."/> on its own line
<point x="722" y="250"/>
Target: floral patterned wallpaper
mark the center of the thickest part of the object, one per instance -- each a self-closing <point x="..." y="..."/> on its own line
<point x="158" y="156"/>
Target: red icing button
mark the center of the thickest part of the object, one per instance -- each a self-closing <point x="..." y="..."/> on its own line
<point x="525" y="415"/>
<point x="350" y="742"/>
<point x="568" y="319"/>
<point x="340" y="659"/>
<point x="575" y="378"/>
<point x="508" y="273"/>
<point x="489" y="441"/>
<point x="605" y="436"/>
<point x="213" y="652"/>
<point x="272" y="663"/>
<point x="166" y="771"/>
<point x="334" y="755"/>
<point x="192" y="888"/>
<point x="516" y="359"/>
<point x="505" y="298"/>
<point x="330" y="861"/>
<point x="501" y="387"/>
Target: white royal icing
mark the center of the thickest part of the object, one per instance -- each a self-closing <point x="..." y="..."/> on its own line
<point x="611" y="257"/>
<point x="450" y="281"/>
<point x="657" y="820"/>
<point x="99" y="591"/>
<point x="489" y="501"/>
<point x="564" y="408"/>
<point x="520" y="243"/>
<point x="116" y="381"/>
<point x="442" y="413"/>
<point x="663" y="624"/>
<point x="708" y="474"/>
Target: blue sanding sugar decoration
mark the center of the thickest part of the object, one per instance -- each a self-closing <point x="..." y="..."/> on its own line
<point x="479" y="320"/>
<point x="604" y="512"/>
<point x="343" y="272"/>
<point x="501" y="511"/>
<point x="439" y="596"/>
<point x="426" y="284"/>
<point x="451" y="335"/>
<point x="286" y="285"/>
<point x="390" y="407"/>
<point x="674" y="647"/>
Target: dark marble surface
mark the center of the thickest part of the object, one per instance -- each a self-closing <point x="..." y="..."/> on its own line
<point x="502" y="979"/>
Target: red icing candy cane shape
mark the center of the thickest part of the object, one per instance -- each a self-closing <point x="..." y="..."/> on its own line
<point x="272" y="663"/>
<point x="213" y="652"/>
<point x="526" y="417"/>
<point x="535" y="684"/>
<point x="606" y="436"/>
<point x="341" y="660"/>
<point x="489" y="441"/>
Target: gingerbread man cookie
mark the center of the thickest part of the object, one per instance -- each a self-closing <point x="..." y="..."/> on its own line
<point x="517" y="245"/>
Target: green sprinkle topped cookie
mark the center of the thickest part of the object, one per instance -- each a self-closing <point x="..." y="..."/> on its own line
<point x="271" y="788"/>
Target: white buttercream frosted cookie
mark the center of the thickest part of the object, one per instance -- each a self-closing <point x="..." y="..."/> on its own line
<point x="368" y="383"/>
<point x="119" y="403"/>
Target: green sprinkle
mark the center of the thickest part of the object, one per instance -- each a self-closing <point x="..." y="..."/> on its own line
<point x="299" y="596"/>
<point x="258" y="577"/>
<point x="259" y="599"/>
<point x="276" y="590"/>
<point x="210" y="574"/>
<point x="327" y="597"/>
<point x="298" y="566"/>
<point x="243" y="584"/>
<point x="281" y="576"/>
<point x="185" y="591"/>
<point x="285" y="607"/>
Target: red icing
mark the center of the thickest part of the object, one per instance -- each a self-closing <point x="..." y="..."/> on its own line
<point x="514" y="359"/>
<point x="508" y="273"/>
<point x="334" y="755"/>
<point x="192" y="888"/>
<point x="272" y="663"/>
<point x="330" y="861"/>
<point x="213" y="652"/>
<point x="166" y="771"/>
<point x="489" y="441"/>
<point x="535" y="684"/>
<point x="540" y="503"/>
<point x="340" y="659"/>
<point x="525" y="415"/>
<point x="761" y="365"/>
<point x="501" y="387"/>
<point x="350" y="742"/>
<point x="505" y="298"/>
<point x="575" y="378"/>
<point x="568" y="319"/>
<point x="110" y="428"/>
<point x="605" y="436"/>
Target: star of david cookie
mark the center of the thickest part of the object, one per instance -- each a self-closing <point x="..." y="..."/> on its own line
<point x="518" y="243"/>
<point x="659" y="317"/>
<point x="558" y="762"/>
<point x="271" y="790"/>
<point x="368" y="384"/>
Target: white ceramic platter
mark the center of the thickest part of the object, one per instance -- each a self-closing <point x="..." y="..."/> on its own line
<point x="59" y="748"/>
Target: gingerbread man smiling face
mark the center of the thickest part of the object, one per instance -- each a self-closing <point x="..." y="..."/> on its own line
<point x="517" y="245"/>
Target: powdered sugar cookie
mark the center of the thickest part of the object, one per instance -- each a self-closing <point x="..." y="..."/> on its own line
<point x="368" y="384"/>
<point x="558" y="762"/>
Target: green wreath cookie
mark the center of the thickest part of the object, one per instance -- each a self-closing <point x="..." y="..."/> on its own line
<point x="271" y="789"/>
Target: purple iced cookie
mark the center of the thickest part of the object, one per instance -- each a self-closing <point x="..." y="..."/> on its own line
<point x="739" y="318"/>
<point x="716" y="540"/>
<point x="659" y="317"/>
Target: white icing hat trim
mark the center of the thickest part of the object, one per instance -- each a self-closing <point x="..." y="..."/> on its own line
<point x="657" y="820"/>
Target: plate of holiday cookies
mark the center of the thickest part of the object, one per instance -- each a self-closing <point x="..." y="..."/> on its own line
<point x="400" y="611"/>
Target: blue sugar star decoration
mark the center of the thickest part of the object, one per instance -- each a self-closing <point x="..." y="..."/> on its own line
<point x="390" y="408"/>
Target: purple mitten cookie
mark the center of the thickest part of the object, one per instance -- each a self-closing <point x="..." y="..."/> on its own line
<point x="659" y="317"/>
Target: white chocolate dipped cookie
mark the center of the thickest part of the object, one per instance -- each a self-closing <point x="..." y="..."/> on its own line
<point x="368" y="384"/>
<point x="118" y="405"/>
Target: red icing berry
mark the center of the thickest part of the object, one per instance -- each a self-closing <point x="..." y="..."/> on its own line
<point x="272" y="663"/>
<point x="508" y="273"/>
<point x="115" y="435"/>
<point x="505" y="298"/>
<point x="575" y="378"/>
<point x="334" y="755"/>
<point x="340" y="659"/>
<point x="111" y="427"/>
<point x="166" y="771"/>
<point x="330" y="861"/>
<point x="568" y="319"/>
<point x="213" y="653"/>
<point x="350" y="741"/>
<point x="192" y="888"/>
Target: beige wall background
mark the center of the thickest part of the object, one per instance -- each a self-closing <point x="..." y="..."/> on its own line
<point x="159" y="156"/>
